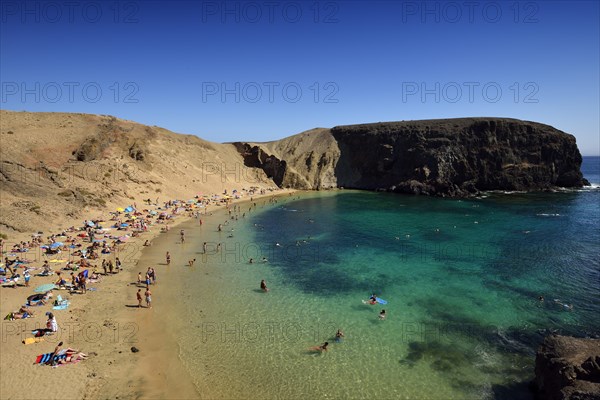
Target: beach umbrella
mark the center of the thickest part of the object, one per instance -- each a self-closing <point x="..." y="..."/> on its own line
<point x="129" y="209"/>
<point x="45" y="288"/>
<point x="120" y="209"/>
<point x="124" y="225"/>
<point x="55" y="245"/>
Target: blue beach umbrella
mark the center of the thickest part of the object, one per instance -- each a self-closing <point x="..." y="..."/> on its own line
<point x="55" y="245"/>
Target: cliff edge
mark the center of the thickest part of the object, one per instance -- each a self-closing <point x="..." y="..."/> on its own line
<point x="445" y="157"/>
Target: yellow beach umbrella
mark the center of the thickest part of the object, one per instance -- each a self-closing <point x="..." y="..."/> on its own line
<point x="120" y="209"/>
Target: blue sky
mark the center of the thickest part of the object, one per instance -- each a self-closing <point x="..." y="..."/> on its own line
<point x="261" y="71"/>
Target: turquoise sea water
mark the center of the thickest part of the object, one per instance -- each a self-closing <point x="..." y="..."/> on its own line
<point x="462" y="280"/>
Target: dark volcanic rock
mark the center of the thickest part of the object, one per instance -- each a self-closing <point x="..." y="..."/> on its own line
<point x="457" y="157"/>
<point x="451" y="157"/>
<point x="255" y="157"/>
<point x="567" y="368"/>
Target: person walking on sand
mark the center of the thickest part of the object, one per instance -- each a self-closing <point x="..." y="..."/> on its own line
<point x="118" y="264"/>
<point x="182" y="234"/>
<point x="168" y="256"/>
<point x="139" y="298"/>
<point x="140" y="278"/>
<point x="148" y="295"/>
<point x="27" y="276"/>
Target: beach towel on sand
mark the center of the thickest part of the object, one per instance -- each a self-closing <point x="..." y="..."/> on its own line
<point x="32" y="340"/>
<point x="44" y="358"/>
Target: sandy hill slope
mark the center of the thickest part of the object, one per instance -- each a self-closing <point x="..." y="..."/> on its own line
<point x="58" y="166"/>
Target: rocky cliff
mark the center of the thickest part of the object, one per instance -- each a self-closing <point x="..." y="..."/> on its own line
<point x="567" y="368"/>
<point x="451" y="157"/>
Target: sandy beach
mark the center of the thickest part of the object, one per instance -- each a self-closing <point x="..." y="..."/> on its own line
<point x="106" y="324"/>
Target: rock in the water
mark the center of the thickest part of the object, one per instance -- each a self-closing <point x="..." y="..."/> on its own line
<point x="568" y="368"/>
<point x="134" y="349"/>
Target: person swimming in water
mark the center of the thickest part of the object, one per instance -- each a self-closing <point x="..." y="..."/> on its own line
<point x="373" y="299"/>
<point x="320" y="348"/>
<point x="339" y="335"/>
<point x="382" y="314"/>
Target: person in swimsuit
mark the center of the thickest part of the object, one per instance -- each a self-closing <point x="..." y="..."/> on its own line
<point x="148" y="295"/>
<point x="263" y="286"/>
<point x="320" y="348"/>
<point x="373" y="299"/>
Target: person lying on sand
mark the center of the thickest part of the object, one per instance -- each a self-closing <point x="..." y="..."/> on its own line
<point x="24" y="312"/>
<point x="72" y="355"/>
<point x="40" y="299"/>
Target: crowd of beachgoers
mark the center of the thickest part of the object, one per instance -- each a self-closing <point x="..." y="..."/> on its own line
<point x="50" y="270"/>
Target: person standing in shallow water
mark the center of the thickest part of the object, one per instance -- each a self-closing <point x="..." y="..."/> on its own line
<point x="263" y="286"/>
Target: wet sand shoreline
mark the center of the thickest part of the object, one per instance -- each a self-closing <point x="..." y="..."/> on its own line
<point x="106" y="323"/>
